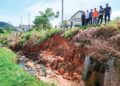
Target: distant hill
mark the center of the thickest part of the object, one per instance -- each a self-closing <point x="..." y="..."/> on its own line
<point x="4" y="25"/>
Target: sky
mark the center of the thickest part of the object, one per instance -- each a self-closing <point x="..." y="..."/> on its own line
<point x="12" y="10"/>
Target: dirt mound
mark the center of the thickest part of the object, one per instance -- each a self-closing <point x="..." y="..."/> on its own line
<point x="60" y="54"/>
<point x="67" y="56"/>
<point x="104" y="44"/>
<point x="57" y="44"/>
<point x="101" y="41"/>
<point x="105" y="33"/>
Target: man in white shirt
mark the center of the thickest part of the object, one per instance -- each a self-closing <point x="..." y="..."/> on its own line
<point x="87" y="17"/>
<point x="100" y="17"/>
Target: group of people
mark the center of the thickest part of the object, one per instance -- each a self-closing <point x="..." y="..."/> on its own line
<point x="95" y="16"/>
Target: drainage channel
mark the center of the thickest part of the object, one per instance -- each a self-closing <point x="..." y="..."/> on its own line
<point x="97" y="73"/>
<point x="112" y="73"/>
<point x="30" y="66"/>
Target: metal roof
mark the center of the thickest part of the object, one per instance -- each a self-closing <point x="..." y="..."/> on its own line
<point x="76" y="13"/>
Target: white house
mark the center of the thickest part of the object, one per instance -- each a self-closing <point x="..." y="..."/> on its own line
<point x="76" y="19"/>
<point x="23" y="27"/>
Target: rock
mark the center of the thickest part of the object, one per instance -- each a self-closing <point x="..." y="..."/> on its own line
<point x="49" y="72"/>
<point x="48" y="65"/>
<point x="39" y="77"/>
<point x="32" y="72"/>
<point x="26" y="69"/>
<point x="52" y="76"/>
<point x="23" y="59"/>
<point x="61" y="71"/>
<point x="43" y="70"/>
<point x="30" y="64"/>
<point x="1" y="45"/>
<point x="82" y="83"/>
<point x="65" y="75"/>
<point x="56" y="72"/>
<point x="33" y="68"/>
<point x="38" y="66"/>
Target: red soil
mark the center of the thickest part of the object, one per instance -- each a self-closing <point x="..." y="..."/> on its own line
<point x="67" y="57"/>
<point x="61" y="55"/>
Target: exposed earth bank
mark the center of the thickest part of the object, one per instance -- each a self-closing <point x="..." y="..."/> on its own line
<point x="87" y="59"/>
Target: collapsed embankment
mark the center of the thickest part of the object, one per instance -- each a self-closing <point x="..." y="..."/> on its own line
<point x="88" y="55"/>
<point x="60" y="54"/>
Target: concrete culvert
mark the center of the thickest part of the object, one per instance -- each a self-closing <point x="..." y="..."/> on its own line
<point x="93" y="73"/>
<point x="96" y="73"/>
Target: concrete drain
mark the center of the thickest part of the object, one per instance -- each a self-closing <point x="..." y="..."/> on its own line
<point x="98" y="73"/>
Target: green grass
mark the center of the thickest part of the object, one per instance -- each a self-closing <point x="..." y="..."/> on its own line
<point x="11" y="74"/>
<point x="45" y="34"/>
<point x="4" y="34"/>
<point x="38" y="35"/>
<point x="69" y="33"/>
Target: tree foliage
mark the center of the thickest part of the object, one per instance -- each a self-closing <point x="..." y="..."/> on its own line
<point x="43" y="20"/>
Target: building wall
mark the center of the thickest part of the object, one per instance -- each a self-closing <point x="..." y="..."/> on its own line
<point x="76" y="19"/>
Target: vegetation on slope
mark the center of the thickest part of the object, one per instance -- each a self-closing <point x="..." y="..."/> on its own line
<point x="4" y="25"/>
<point x="70" y="32"/>
<point x="40" y="36"/>
<point x="4" y="35"/>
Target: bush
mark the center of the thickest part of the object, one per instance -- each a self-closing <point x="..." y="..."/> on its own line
<point x="1" y="31"/>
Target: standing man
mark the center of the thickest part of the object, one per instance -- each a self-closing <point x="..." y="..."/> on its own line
<point x="90" y="17"/>
<point x="87" y="17"/>
<point x="83" y="19"/>
<point x="95" y="16"/>
<point x="107" y="11"/>
<point x="100" y="18"/>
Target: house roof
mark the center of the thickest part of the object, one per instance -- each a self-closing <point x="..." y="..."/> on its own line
<point x="80" y="11"/>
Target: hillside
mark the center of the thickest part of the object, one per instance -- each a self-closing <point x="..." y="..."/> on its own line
<point x="70" y="57"/>
<point x="4" y="25"/>
<point x="75" y="54"/>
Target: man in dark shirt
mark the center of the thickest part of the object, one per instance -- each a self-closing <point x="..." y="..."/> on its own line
<point x="83" y="17"/>
<point x="107" y="11"/>
<point x="100" y="18"/>
<point x="71" y="24"/>
<point x="90" y="17"/>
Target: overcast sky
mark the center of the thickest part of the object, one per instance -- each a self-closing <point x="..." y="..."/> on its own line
<point x="12" y="10"/>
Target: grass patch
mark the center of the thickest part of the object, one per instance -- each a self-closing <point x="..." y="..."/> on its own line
<point x="13" y="75"/>
<point x="70" y="32"/>
<point x="38" y="35"/>
<point x="45" y="34"/>
<point x="4" y="34"/>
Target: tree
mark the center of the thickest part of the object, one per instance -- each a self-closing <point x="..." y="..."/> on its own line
<point x="43" y="20"/>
